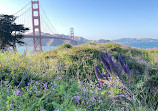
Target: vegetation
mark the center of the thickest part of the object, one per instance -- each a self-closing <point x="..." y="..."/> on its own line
<point x="10" y="32"/>
<point x="64" y="79"/>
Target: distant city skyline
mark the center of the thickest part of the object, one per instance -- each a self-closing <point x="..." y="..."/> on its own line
<point x="97" y="19"/>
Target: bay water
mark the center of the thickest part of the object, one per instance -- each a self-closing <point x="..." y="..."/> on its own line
<point x="142" y="45"/>
<point x="22" y="49"/>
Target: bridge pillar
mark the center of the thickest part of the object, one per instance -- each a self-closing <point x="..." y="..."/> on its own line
<point x="37" y="43"/>
<point x="72" y="35"/>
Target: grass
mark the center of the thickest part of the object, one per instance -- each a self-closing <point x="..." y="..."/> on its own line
<point x="64" y="79"/>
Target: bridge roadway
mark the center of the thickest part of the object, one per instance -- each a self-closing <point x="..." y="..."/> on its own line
<point x="47" y="37"/>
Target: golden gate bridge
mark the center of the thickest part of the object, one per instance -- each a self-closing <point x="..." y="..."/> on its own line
<point x="23" y="17"/>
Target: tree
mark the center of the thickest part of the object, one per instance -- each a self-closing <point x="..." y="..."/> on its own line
<point x="10" y="33"/>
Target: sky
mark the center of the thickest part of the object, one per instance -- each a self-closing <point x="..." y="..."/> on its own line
<point x="97" y="19"/>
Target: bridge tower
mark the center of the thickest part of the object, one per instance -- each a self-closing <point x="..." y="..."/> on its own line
<point x="37" y="44"/>
<point x="72" y="35"/>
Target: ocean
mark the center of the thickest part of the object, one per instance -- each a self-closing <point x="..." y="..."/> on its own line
<point x="142" y="45"/>
<point x="22" y="49"/>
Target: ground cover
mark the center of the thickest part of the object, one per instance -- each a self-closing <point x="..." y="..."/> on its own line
<point x="65" y="79"/>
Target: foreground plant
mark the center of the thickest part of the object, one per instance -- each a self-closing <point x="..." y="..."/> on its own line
<point x="113" y="81"/>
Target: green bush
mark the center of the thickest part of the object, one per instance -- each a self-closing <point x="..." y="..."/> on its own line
<point x="64" y="46"/>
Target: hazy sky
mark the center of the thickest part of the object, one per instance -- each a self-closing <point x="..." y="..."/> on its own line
<point x="97" y="19"/>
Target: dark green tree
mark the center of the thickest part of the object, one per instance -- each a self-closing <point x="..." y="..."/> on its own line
<point x="10" y="33"/>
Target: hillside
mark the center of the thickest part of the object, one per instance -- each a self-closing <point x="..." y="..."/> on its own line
<point x="65" y="79"/>
<point x="81" y="40"/>
<point x="56" y="42"/>
<point x="135" y="40"/>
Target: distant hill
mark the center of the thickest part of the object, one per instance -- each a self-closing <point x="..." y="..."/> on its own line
<point x="135" y="40"/>
<point x="82" y="40"/>
<point x="56" y="42"/>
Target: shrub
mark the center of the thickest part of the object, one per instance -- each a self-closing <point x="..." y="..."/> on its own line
<point x="64" y="46"/>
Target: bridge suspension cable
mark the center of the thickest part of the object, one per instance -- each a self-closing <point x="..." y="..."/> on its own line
<point x="24" y="18"/>
<point x="22" y="8"/>
<point x="22" y="15"/>
<point x="25" y="12"/>
<point x="51" y="26"/>
<point x="45" y="27"/>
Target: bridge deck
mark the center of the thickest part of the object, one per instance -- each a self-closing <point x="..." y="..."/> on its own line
<point x="47" y="37"/>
